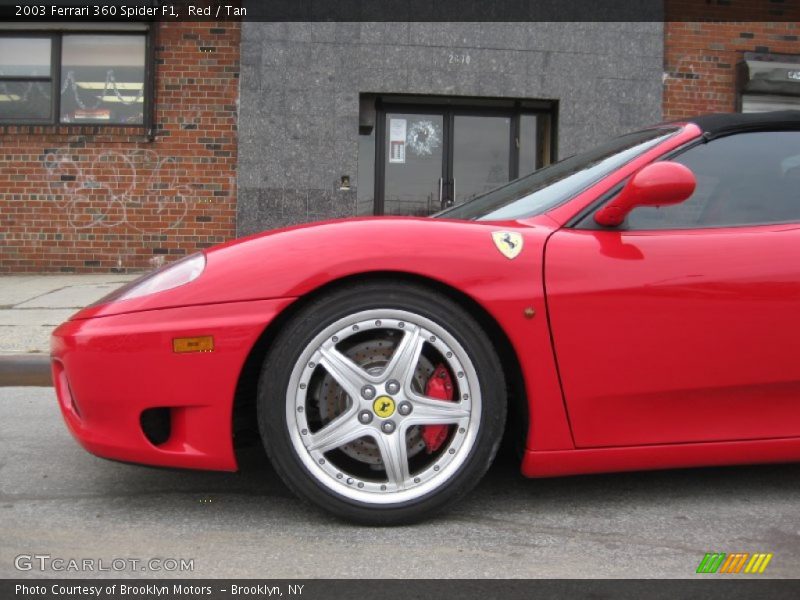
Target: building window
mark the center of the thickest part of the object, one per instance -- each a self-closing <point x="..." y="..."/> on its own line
<point x="26" y="79"/>
<point x="74" y="78"/>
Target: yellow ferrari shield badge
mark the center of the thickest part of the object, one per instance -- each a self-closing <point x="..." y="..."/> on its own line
<point x="508" y="242"/>
<point x="383" y="406"/>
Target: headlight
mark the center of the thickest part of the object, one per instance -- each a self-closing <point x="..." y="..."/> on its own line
<point x="167" y="277"/>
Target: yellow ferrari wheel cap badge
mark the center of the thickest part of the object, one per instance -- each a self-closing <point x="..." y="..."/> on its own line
<point x="508" y="242"/>
<point x="383" y="406"/>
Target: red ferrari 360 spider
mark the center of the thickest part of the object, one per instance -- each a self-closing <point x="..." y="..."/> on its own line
<point x="633" y="307"/>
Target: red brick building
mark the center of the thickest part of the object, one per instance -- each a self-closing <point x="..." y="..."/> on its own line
<point x="85" y="193"/>
<point x="704" y="60"/>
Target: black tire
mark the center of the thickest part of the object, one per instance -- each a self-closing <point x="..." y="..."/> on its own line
<point x="295" y="337"/>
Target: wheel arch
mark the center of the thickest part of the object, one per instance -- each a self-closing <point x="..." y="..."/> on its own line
<point x="244" y="419"/>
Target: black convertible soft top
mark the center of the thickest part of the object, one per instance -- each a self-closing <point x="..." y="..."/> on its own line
<point x="724" y="123"/>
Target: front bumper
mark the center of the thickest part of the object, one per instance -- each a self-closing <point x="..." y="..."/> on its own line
<point x="107" y="371"/>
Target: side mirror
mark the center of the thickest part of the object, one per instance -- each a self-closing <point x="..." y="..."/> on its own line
<point x="657" y="184"/>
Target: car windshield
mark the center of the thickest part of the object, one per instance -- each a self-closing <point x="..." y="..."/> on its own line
<point x="550" y="186"/>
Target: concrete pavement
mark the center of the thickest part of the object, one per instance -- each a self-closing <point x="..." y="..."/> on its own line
<point x="31" y="306"/>
<point x="57" y="499"/>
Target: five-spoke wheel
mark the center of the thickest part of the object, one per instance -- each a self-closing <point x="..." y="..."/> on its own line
<point x="374" y="404"/>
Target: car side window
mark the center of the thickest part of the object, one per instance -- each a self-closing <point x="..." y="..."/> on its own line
<point x="742" y="179"/>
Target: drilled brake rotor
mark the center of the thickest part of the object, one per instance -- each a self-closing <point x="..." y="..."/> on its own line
<point x="372" y="356"/>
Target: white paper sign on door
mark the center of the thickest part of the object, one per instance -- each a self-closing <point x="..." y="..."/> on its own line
<point x="397" y="140"/>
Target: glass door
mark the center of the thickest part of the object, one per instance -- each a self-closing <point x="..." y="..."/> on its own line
<point x="481" y="155"/>
<point x="430" y="157"/>
<point x="413" y="163"/>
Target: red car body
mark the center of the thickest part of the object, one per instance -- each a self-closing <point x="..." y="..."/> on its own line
<point x="644" y="350"/>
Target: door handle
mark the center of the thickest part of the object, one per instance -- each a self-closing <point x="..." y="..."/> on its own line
<point x="452" y="200"/>
<point x="441" y="182"/>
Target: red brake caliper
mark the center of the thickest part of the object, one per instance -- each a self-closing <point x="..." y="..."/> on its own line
<point x="439" y="386"/>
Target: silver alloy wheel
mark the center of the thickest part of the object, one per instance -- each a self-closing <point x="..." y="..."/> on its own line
<point x="374" y="412"/>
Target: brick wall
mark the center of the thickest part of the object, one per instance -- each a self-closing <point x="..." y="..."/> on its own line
<point x="83" y="198"/>
<point x="701" y="56"/>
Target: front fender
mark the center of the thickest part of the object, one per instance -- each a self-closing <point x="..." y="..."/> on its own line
<point x="293" y="262"/>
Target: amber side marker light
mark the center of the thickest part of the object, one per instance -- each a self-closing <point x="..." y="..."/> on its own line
<point x="193" y="344"/>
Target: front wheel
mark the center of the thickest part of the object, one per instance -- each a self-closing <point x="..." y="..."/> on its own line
<point x="382" y="402"/>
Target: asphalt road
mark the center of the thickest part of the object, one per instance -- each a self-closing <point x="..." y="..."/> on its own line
<point x="56" y="499"/>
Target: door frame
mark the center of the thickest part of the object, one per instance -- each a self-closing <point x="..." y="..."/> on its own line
<point x="545" y="137"/>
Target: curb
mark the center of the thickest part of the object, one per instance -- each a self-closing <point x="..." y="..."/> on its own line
<point x="25" y="370"/>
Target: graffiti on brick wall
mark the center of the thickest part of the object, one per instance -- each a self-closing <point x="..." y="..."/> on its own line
<point x="136" y="188"/>
<point x="682" y="68"/>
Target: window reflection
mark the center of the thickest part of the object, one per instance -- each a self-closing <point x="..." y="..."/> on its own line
<point x="24" y="57"/>
<point x="102" y="79"/>
<point x="25" y="99"/>
<point x="25" y="79"/>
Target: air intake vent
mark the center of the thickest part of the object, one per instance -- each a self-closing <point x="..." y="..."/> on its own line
<point x="156" y="425"/>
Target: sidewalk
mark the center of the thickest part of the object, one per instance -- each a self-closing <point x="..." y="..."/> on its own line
<point x="31" y="306"/>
